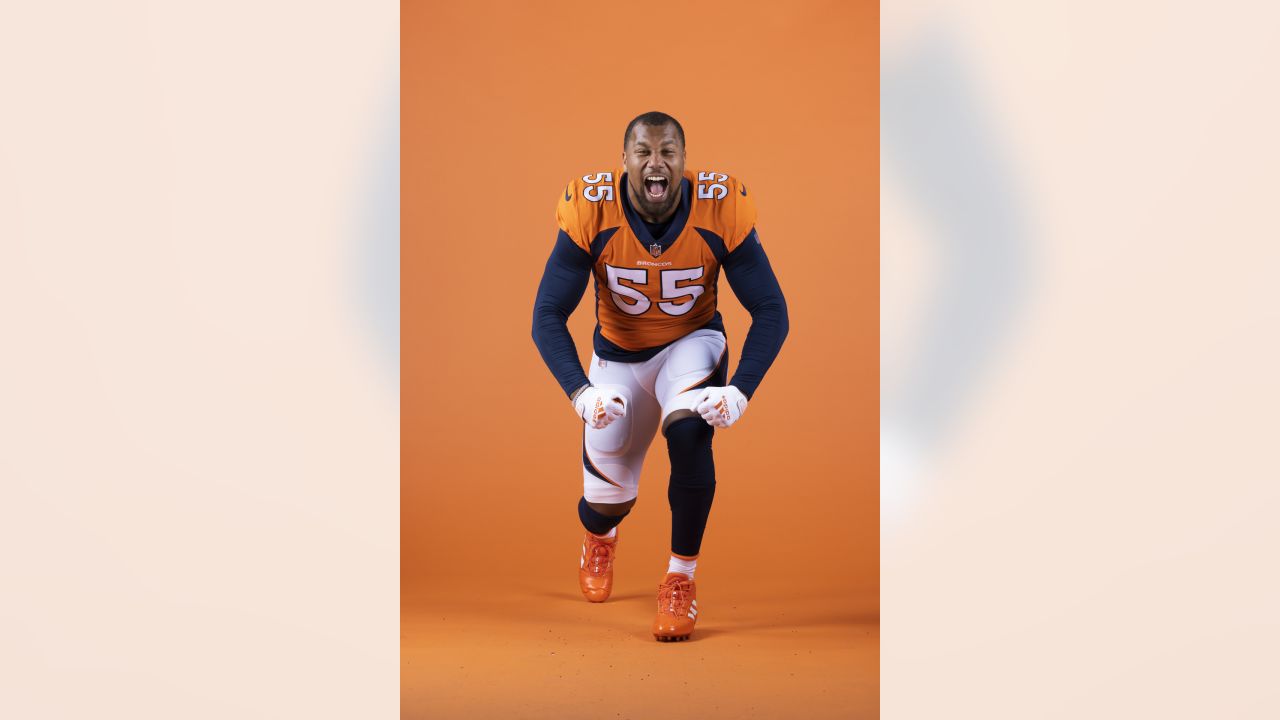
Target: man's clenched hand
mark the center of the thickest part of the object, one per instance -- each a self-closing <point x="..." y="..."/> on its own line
<point x="599" y="406"/>
<point x="721" y="406"/>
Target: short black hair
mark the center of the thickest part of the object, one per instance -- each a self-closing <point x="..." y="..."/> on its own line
<point x="653" y="119"/>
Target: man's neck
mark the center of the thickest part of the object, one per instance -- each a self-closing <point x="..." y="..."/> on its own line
<point x="654" y="220"/>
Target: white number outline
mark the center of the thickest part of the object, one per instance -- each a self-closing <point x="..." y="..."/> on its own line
<point x="715" y="191"/>
<point x="595" y="191"/>
<point x="671" y="291"/>
<point x="676" y="299"/>
<point x="617" y="290"/>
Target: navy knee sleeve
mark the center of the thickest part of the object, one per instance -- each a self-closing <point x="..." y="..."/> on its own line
<point x="693" y="482"/>
<point x="594" y="521"/>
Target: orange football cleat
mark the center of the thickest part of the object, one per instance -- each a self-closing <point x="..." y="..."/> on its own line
<point x="677" y="608"/>
<point x="595" y="572"/>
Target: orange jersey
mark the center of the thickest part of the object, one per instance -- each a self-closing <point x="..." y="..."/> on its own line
<point x="653" y="291"/>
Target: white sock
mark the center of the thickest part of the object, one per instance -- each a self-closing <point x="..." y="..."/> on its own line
<point x="681" y="565"/>
<point x="613" y="532"/>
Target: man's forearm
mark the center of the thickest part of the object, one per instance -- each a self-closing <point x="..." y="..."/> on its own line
<point x="752" y="280"/>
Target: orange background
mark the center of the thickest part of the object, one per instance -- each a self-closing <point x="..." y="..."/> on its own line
<point x="503" y="103"/>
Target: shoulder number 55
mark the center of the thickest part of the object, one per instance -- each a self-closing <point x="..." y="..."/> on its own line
<point x="716" y="190"/>
<point x="599" y="187"/>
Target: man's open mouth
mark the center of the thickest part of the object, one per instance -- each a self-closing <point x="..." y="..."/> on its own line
<point x="655" y="186"/>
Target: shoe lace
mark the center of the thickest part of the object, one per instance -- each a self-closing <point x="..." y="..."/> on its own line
<point x="601" y="557"/>
<point x="673" y="596"/>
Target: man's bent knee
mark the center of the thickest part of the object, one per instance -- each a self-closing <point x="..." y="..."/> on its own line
<point x="600" y="518"/>
<point x="675" y="416"/>
<point x="689" y="448"/>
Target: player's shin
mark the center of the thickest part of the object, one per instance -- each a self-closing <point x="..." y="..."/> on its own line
<point x="693" y="484"/>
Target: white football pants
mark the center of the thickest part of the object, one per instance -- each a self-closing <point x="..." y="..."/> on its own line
<point x="654" y="390"/>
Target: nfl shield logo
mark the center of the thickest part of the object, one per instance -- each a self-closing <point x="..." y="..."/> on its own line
<point x="655" y="249"/>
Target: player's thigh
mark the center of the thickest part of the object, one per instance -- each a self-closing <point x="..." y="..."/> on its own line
<point x="612" y="457"/>
<point x="696" y="361"/>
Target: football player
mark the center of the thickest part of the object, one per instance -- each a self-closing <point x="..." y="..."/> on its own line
<point x="654" y="237"/>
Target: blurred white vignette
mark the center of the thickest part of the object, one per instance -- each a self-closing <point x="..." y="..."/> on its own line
<point x="199" y="426"/>
<point x="1080" y="316"/>
<point x="198" y="416"/>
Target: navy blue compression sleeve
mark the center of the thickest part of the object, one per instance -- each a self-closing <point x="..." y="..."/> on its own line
<point x="753" y="282"/>
<point x="563" y="282"/>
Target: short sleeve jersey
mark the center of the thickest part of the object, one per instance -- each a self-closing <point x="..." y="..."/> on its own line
<point x="652" y="291"/>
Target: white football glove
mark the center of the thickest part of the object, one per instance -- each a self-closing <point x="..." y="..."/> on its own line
<point x="721" y="406"/>
<point x="598" y="407"/>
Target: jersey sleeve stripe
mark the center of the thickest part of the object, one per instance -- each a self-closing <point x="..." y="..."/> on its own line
<point x="599" y="241"/>
<point x="715" y="242"/>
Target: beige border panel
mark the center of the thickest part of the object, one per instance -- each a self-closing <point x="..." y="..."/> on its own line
<point x="1080" y="201"/>
<point x="198" y="438"/>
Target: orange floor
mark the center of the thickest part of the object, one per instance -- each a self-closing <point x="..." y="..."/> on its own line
<point x="767" y="648"/>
